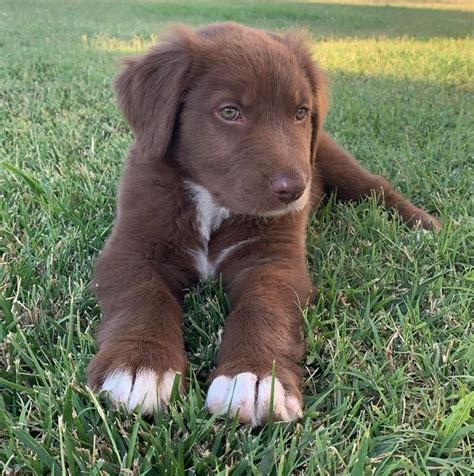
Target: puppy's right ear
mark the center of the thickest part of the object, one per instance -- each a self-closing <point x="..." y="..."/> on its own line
<point x="150" y="89"/>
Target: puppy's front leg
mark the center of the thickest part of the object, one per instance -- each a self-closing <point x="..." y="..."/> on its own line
<point x="264" y="329"/>
<point x="343" y="174"/>
<point x="140" y="340"/>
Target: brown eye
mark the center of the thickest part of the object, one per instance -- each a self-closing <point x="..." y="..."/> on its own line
<point x="301" y="114"/>
<point x="229" y="113"/>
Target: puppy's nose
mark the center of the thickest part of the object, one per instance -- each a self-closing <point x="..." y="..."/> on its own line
<point x="288" y="188"/>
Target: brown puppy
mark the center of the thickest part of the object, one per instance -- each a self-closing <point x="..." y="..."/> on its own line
<point x="229" y="158"/>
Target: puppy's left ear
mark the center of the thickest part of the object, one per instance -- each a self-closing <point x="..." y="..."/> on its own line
<point x="298" y="44"/>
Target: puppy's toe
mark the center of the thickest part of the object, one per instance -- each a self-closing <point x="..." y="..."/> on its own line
<point x="425" y="221"/>
<point x="249" y="397"/>
<point x="285" y="407"/>
<point x="232" y="395"/>
<point x="144" y="388"/>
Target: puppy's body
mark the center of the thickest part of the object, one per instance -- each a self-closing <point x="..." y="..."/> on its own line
<point x="229" y="158"/>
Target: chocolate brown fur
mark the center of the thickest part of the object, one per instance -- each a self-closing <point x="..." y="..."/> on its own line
<point x="171" y="98"/>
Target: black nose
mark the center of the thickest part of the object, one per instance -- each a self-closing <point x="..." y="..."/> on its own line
<point x="288" y="188"/>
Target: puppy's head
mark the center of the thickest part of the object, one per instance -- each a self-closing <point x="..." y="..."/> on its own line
<point x="239" y="107"/>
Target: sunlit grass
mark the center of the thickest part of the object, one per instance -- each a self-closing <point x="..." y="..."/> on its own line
<point x="103" y="42"/>
<point x="440" y="5"/>
<point x="438" y="60"/>
<point x="444" y="60"/>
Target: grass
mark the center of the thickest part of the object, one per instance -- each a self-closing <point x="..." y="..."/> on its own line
<point x="390" y="364"/>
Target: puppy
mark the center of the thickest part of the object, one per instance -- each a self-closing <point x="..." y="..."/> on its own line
<point x="229" y="158"/>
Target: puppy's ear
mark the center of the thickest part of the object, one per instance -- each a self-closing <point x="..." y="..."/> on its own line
<point x="298" y="44"/>
<point x="150" y="89"/>
<point x="322" y="106"/>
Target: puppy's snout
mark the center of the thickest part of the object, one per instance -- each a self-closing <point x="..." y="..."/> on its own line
<point x="288" y="188"/>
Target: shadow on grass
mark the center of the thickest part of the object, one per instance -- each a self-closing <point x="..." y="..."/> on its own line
<point x="126" y="20"/>
<point x="323" y="20"/>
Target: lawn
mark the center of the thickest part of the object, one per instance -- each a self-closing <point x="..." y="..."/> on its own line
<point x="389" y="384"/>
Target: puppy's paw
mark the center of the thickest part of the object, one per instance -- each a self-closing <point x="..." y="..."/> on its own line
<point x="250" y="398"/>
<point x="424" y="220"/>
<point x="144" y="388"/>
<point x="133" y="373"/>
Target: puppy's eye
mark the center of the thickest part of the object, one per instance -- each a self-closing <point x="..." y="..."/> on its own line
<point x="229" y="113"/>
<point x="301" y="114"/>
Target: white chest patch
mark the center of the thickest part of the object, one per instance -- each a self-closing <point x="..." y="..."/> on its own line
<point x="209" y="217"/>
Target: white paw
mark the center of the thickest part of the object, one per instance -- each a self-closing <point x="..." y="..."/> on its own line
<point x="251" y="398"/>
<point x="147" y="390"/>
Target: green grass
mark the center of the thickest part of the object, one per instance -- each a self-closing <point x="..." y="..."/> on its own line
<point x="390" y="365"/>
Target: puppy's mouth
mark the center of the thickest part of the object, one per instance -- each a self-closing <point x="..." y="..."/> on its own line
<point x="294" y="206"/>
<point x="286" y="193"/>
